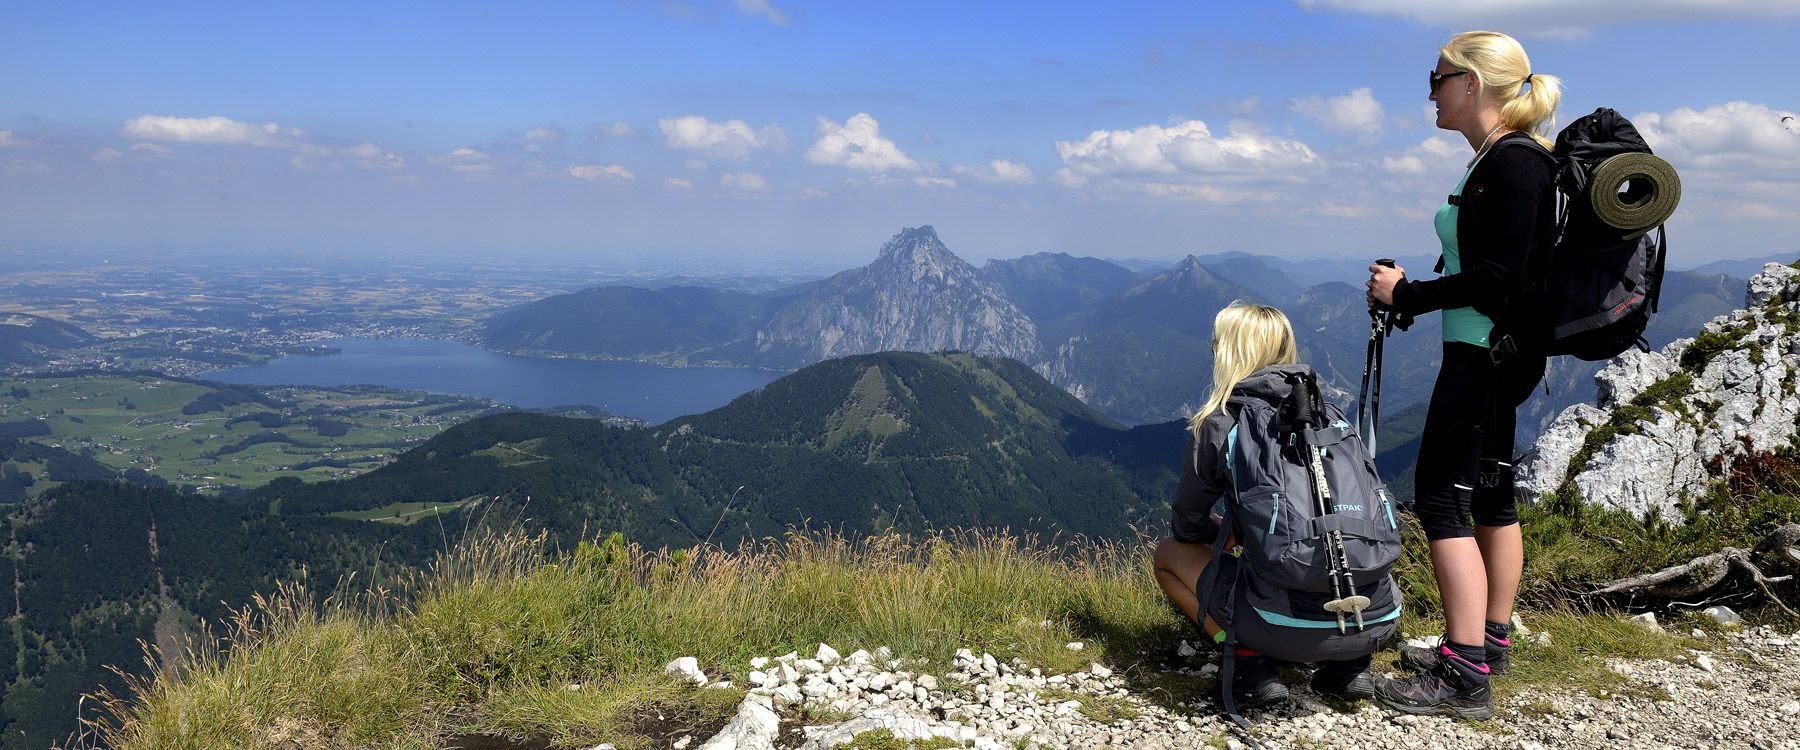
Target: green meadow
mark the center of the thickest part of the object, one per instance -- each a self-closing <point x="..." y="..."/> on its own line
<point x="212" y="437"/>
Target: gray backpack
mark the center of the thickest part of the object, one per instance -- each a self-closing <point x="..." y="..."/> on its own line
<point x="1318" y="529"/>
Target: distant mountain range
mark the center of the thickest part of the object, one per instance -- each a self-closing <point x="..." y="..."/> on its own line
<point x="1135" y="345"/>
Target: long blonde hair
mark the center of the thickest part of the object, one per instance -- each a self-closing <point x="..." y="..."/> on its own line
<point x="1246" y="337"/>
<point x="1500" y="64"/>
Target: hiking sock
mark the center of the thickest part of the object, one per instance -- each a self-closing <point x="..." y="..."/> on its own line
<point x="1499" y="634"/>
<point x="1473" y="671"/>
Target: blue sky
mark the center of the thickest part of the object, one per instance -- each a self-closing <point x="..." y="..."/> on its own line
<point x="763" y="132"/>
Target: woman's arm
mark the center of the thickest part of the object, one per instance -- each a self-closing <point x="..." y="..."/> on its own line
<point x="1203" y="483"/>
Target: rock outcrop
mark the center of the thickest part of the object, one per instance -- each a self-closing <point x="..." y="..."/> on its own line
<point x="916" y="296"/>
<point x="1670" y="422"/>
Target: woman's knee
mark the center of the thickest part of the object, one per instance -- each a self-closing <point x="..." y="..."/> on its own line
<point x="1184" y="559"/>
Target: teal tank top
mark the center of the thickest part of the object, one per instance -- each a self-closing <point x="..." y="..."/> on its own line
<point x="1461" y="324"/>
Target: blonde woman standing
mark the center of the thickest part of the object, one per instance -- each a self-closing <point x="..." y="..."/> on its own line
<point x="1499" y="218"/>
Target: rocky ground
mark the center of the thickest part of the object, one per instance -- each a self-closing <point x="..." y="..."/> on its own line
<point x="1741" y="693"/>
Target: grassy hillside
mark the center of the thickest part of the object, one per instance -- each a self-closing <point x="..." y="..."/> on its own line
<point x="504" y="638"/>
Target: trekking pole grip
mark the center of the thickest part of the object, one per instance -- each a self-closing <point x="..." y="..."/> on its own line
<point x="1399" y="320"/>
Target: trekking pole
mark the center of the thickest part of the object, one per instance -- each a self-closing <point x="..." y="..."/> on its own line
<point x="1343" y="585"/>
<point x="1382" y="321"/>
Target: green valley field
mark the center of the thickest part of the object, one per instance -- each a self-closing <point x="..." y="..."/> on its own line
<point x="210" y="436"/>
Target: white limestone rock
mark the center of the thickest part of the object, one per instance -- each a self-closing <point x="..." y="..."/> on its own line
<point x="686" y="668"/>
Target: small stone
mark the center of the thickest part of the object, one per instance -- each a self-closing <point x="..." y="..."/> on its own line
<point x="826" y="655"/>
<point x="1099" y="670"/>
<point x="928" y="682"/>
<point x="1791" y="709"/>
<point x="759" y="662"/>
<point x="682" y="743"/>
<point x="1184" y="650"/>
<point x="1406" y="720"/>
<point x="1697" y="633"/>
<point x="1723" y="615"/>
<point x="1078" y="645"/>
<point x="1617" y="733"/>
<point x="809" y="666"/>
<point x="1518" y="626"/>
<point x="1704" y="662"/>
<point x="1647" y="621"/>
<point x="686" y="668"/>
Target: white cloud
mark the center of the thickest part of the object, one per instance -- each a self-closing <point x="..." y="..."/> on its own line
<point x="928" y="181"/>
<point x="1557" y="18"/>
<point x="761" y="8"/>
<point x="538" y="138"/>
<point x="213" y="129"/>
<point x="9" y="139"/>
<point x="1355" y="113"/>
<point x="857" y="144"/>
<point x="749" y="182"/>
<point x="608" y="172"/>
<point x="999" y="171"/>
<point x="676" y="183"/>
<point x="310" y="154"/>
<point x="614" y="130"/>
<point x="733" y="139"/>
<point x="1439" y="153"/>
<point x="106" y="154"/>
<point x="1733" y="135"/>
<point x="810" y="194"/>
<point x="1186" y="148"/>
<point x="468" y="161"/>
<point x="25" y="167"/>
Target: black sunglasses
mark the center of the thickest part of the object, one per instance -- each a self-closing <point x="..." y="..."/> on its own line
<point x="1437" y="78"/>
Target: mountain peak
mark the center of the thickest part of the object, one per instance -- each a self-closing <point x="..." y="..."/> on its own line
<point x="914" y="241"/>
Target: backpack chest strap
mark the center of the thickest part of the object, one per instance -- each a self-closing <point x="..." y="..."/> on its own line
<point x="1349" y="525"/>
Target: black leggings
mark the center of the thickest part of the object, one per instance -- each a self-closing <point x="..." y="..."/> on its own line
<point x="1466" y="452"/>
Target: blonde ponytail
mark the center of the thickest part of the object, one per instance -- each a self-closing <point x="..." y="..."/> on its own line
<point x="1528" y="100"/>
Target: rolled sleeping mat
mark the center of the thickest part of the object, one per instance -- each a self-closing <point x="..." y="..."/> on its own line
<point x="1655" y="190"/>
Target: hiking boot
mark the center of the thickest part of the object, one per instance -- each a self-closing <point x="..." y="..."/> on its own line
<point x="1345" y="684"/>
<point x="1425" y="659"/>
<point x="1455" y="688"/>
<point x="1256" y="683"/>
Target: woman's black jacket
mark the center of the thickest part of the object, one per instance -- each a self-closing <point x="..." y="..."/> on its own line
<point x="1504" y="230"/>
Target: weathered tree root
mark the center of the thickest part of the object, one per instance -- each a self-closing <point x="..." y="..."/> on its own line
<point x="1703" y="573"/>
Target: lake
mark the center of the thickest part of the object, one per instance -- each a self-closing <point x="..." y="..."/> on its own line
<point x="652" y="393"/>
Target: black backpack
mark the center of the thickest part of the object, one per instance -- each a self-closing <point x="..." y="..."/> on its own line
<point x="1592" y="296"/>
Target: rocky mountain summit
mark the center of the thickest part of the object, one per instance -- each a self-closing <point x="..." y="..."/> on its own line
<point x="1731" y="698"/>
<point x="1669" y="423"/>
<point x="916" y="296"/>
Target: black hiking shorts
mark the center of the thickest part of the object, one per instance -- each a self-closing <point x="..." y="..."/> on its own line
<point x="1466" y="451"/>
